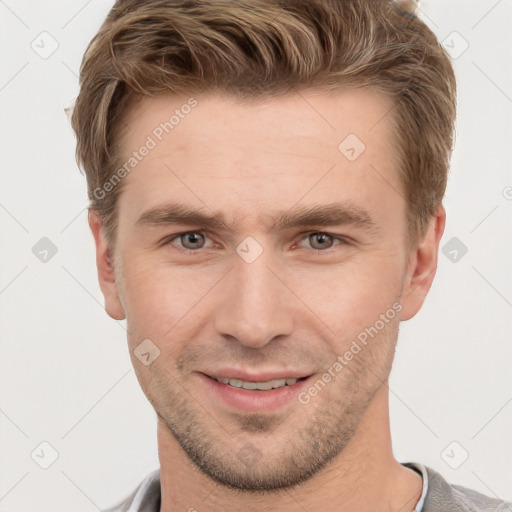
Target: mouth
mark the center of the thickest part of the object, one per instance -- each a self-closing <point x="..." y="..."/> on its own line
<point x="261" y="385"/>
<point x="269" y="395"/>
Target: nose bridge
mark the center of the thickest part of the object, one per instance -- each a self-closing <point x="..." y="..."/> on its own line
<point x="256" y="304"/>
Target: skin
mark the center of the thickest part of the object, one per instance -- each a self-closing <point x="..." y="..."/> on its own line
<point x="294" y="307"/>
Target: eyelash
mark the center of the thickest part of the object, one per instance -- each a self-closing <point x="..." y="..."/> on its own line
<point x="343" y="241"/>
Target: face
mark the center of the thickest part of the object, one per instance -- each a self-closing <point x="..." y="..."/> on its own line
<point x="257" y="242"/>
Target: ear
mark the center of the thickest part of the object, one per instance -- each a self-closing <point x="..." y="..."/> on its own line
<point x="105" y="266"/>
<point x="422" y="266"/>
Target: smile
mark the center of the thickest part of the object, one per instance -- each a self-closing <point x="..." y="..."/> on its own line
<point x="251" y="396"/>
<point x="261" y="386"/>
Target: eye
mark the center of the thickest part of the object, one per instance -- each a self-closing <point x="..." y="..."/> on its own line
<point x="190" y="241"/>
<point x="193" y="241"/>
<point x="320" y="241"/>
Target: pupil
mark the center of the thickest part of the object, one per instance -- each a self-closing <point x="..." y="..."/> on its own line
<point x="193" y="236"/>
<point x="321" y="236"/>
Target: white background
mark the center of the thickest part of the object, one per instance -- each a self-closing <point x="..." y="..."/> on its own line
<point x="66" y="377"/>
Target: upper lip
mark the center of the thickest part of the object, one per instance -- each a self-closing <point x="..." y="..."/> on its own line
<point x="264" y="376"/>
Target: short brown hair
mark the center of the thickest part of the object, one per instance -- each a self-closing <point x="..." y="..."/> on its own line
<point x="252" y="48"/>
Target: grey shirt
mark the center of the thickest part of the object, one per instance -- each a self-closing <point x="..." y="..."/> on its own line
<point x="437" y="495"/>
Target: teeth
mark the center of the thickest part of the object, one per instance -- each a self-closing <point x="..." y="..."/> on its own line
<point x="262" y="386"/>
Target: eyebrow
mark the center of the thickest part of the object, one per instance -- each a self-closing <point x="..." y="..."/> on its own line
<point x="332" y="214"/>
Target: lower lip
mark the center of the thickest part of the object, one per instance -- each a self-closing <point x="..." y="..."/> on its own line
<point x="253" y="400"/>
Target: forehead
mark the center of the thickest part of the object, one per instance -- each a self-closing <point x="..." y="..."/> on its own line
<point x="259" y="155"/>
<point x="360" y="109"/>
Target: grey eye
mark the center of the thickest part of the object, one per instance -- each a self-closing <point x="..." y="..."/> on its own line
<point x="193" y="239"/>
<point x="322" y="238"/>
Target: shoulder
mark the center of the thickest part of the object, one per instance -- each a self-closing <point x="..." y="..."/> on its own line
<point x="145" y="498"/>
<point x="445" y="497"/>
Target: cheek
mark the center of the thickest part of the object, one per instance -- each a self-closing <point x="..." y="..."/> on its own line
<point x="159" y="298"/>
<point x="349" y="297"/>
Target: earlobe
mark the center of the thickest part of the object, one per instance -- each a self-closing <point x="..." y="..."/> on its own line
<point x="422" y="266"/>
<point x="105" y="267"/>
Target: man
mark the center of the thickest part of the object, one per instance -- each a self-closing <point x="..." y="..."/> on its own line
<point x="266" y="181"/>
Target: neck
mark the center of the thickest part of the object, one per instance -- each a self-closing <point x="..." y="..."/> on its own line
<point x="364" y="476"/>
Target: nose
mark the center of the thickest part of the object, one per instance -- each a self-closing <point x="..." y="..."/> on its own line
<point x="255" y="304"/>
